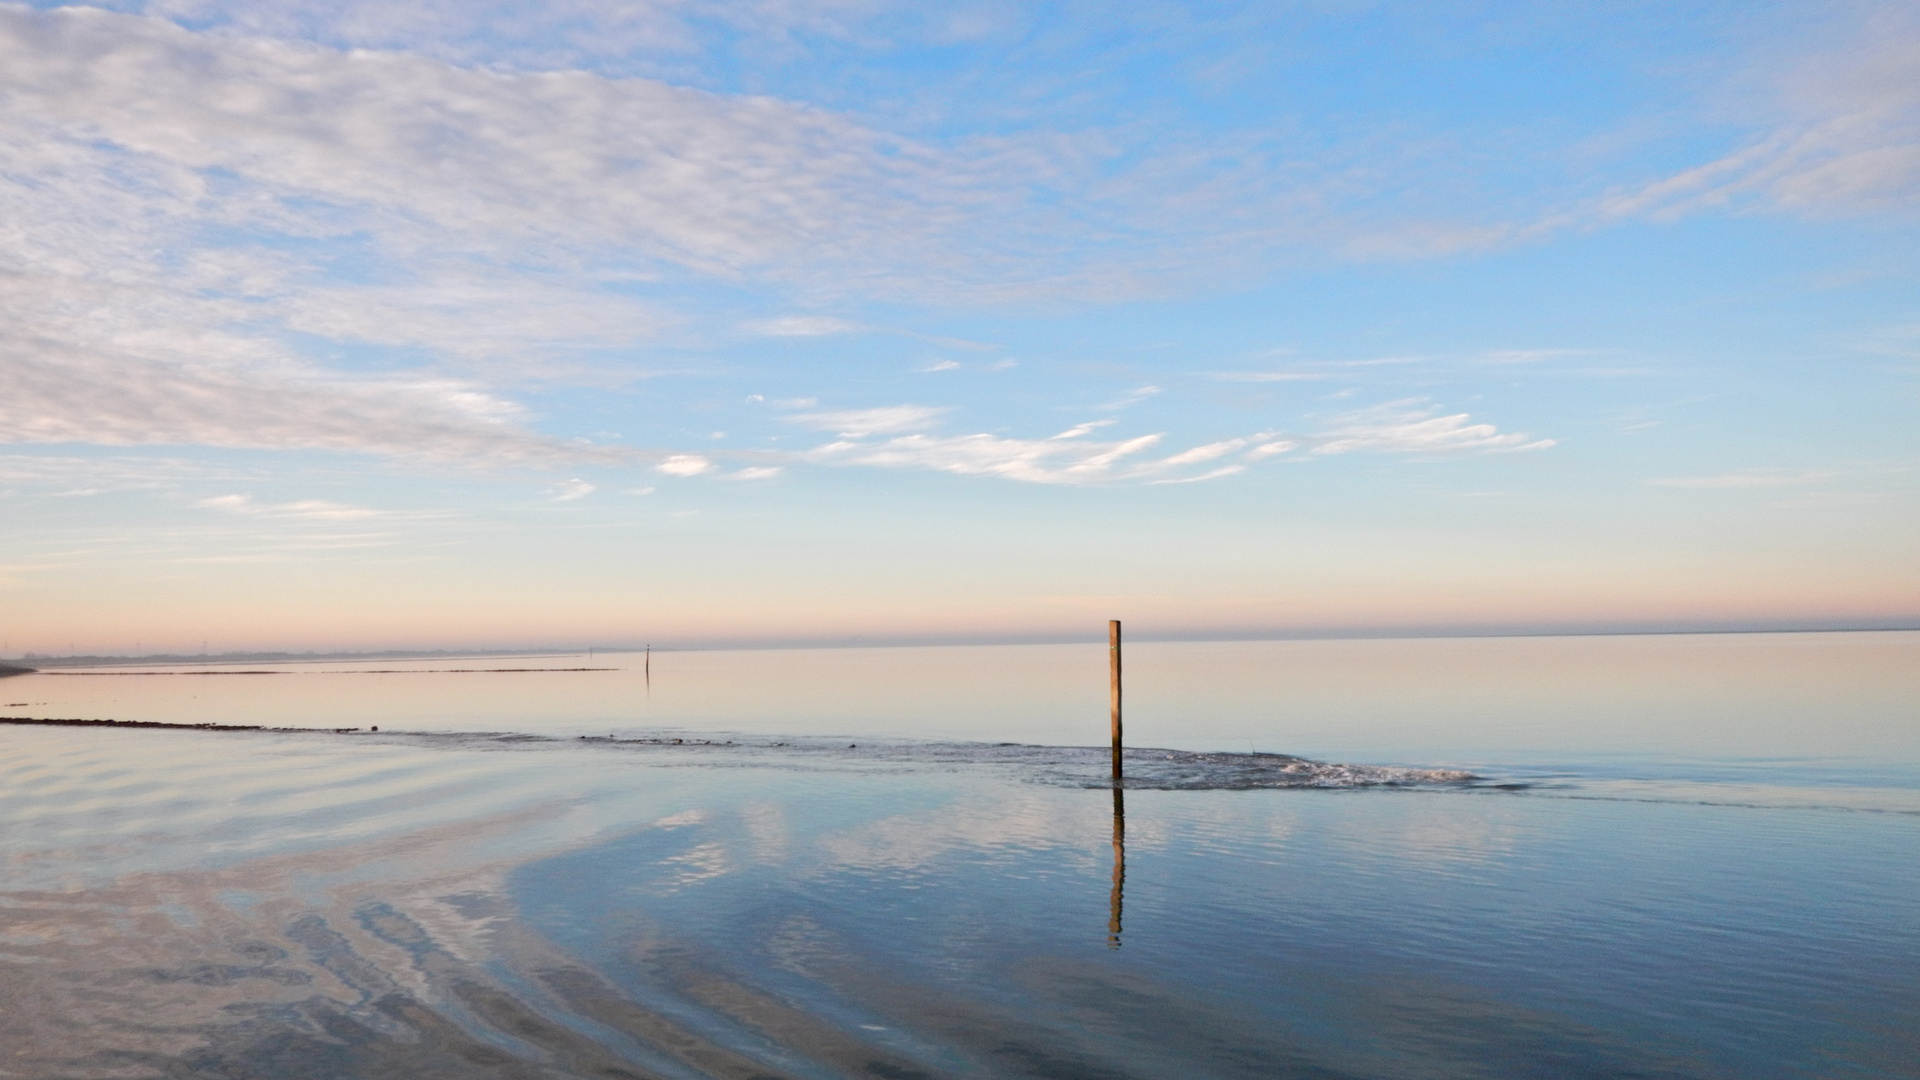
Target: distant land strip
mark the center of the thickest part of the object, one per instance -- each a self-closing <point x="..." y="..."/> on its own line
<point x="381" y="671"/>
<point x="39" y="662"/>
<point x="39" y="721"/>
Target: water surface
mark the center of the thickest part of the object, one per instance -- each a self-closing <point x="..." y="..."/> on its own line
<point x="1675" y="857"/>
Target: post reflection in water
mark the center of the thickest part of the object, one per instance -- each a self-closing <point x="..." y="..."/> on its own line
<point x="1117" y="896"/>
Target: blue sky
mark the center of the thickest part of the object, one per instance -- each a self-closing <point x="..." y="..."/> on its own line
<point x="341" y="325"/>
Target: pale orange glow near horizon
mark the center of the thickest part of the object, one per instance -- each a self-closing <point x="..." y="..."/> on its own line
<point x="370" y="620"/>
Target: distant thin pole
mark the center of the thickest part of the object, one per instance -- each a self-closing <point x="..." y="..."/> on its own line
<point x="649" y="667"/>
<point x="1113" y="647"/>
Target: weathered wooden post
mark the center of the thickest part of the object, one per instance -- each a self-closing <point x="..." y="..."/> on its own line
<point x="1113" y="647"/>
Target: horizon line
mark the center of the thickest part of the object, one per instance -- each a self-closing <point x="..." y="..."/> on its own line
<point x="861" y="641"/>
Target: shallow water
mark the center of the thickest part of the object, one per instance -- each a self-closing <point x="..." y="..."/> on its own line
<point x="1685" y="857"/>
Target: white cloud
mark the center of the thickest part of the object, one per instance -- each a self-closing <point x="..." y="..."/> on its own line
<point x="509" y="212"/>
<point x="574" y="489"/>
<point x="805" y="326"/>
<point x="511" y="209"/>
<point x="105" y="341"/>
<point x="522" y="206"/>
<point x="432" y="160"/>
<point x="755" y="472"/>
<point x="1045" y="461"/>
<point x="1204" y="453"/>
<point x="1271" y="376"/>
<point x="1271" y="448"/>
<point x="685" y="465"/>
<point x="1410" y="427"/>
<point x="1072" y="458"/>
<point x="304" y="510"/>
<point x="1215" y="474"/>
<point x="827" y="326"/>
<point x="860" y="423"/>
<point x="113" y="395"/>
<point x="1067" y="458"/>
<point x="1078" y="430"/>
<point x="171" y="202"/>
<point x="305" y="120"/>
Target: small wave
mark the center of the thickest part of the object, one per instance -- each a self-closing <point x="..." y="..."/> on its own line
<point x="1146" y="768"/>
<point x="1181" y="770"/>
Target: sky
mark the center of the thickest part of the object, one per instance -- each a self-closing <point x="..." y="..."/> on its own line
<point x="503" y="323"/>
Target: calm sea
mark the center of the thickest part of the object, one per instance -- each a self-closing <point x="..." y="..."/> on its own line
<point x="1676" y="856"/>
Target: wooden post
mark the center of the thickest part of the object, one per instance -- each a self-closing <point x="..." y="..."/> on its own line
<point x="1113" y="647"/>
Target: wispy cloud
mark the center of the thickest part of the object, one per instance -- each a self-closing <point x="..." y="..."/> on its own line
<point x="1198" y="454"/>
<point x="1044" y="461"/>
<point x="685" y="465"/>
<point x="476" y="189"/>
<point x="1847" y="139"/>
<point x="165" y="192"/>
<point x="829" y="325"/>
<point x="114" y="396"/>
<point x="573" y="490"/>
<point x="1071" y="457"/>
<point x="860" y="423"/>
<point x="1079" y="430"/>
<point x="678" y="175"/>
<point x="103" y="342"/>
<point x="302" y="510"/>
<point x="1411" y="426"/>
<point x="805" y="326"/>
<point x="507" y="214"/>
